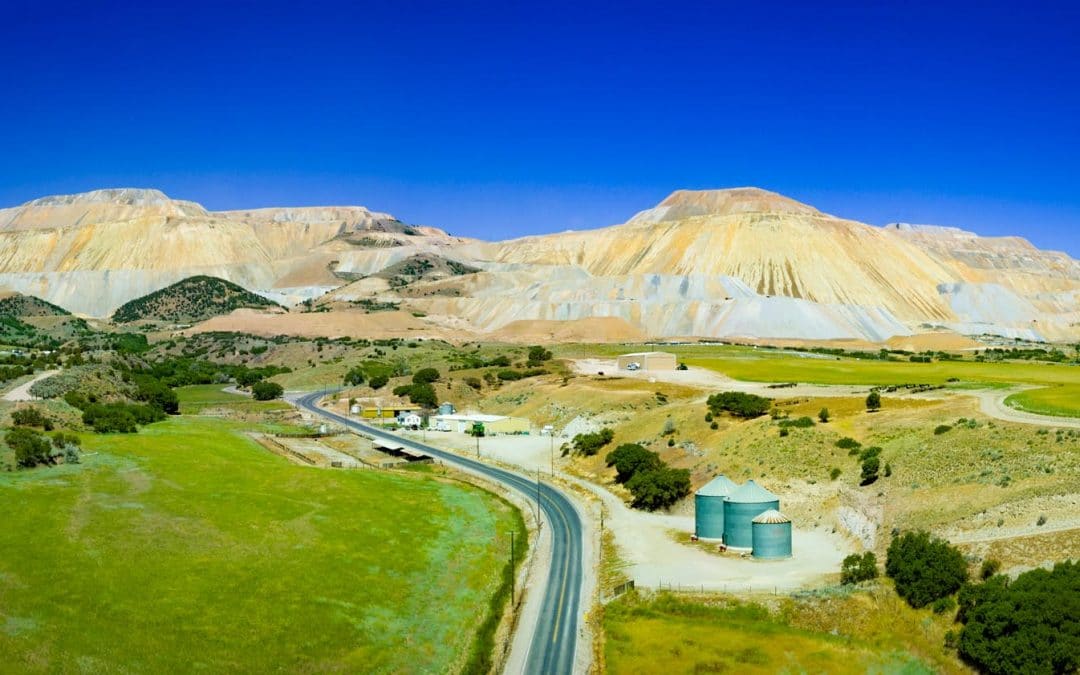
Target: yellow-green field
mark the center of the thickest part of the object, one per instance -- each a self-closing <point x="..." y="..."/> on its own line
<point x="201" y="397"/>
<point x="770" y="365"/>
<point x="675" y="635"/>
<point x="187" y="547"/>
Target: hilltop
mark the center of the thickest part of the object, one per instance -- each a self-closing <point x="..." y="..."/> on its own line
<point x="191" y="300"/>
<point x="24" y="306"/>
<point x="740" y="263"/>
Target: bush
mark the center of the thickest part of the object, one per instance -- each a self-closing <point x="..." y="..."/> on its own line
<point x="873" y="402"/>
<point x="1027" y="626"/>
<point x="266" y="391"/>
<point x="590" y="444"/>
<point x="942" y="429"/>
<point x="848" y="443"/>
<point x="943" y="605"/>
<point x="538" y="354"/>
<point x="924" y="568"/>
<point x="739" y="404"/>
<point x="402" y="390"/>
<point x="869" y="471"/>
<point x="799" y="423"/>
<point x="30" y="447"/>
<point x="30" y="417"/>
<point x="378" y="381"/>
<point x="156" y="393"/>
<point x="355" y="377"/>
<point x="424" y="395"/>
<point x="681" y="366"/>
<point x="631" y="458"/>
<point x="474" y="382"/>
<point x="989" y="568"/>
<point x="835" y="473"/>
<point x="714" y="426"/>
<point x="509" y="375"/>
<point x="659" y="488"/>
<point x="823" y="415"/>
<point x="425" y="376"/>
<point x="856" y="568"/>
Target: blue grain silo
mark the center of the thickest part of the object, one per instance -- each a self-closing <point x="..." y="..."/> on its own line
<point x="709" y="507"/>
<point x="771" y="535"/>
<point x="740" y="509"/>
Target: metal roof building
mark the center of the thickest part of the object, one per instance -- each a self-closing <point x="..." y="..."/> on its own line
<point x="709" y="507"/>
<point x="740" y="508"/>
<point x="771" y="535"/>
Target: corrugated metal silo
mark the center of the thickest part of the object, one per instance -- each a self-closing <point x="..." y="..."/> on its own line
<point x="709" y="507"/>
<point x="740" y="508"/>
<point x="771" y="535"/>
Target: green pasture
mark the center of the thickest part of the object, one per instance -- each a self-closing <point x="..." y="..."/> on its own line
<point x="197" y="398"/>
<point x="187" y="547"/>
<point x="1062" y="400"/>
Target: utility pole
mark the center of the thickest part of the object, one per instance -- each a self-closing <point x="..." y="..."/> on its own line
<point x="551" y="437"/>
<point x="537" y="494"/>
<point x="513" y="577"/>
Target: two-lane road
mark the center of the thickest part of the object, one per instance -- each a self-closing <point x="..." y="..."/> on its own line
<point x="554" y="641"/>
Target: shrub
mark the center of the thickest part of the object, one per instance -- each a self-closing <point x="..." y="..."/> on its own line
<point x="630" y="458"/>
<point x="31" y="448"/>
<point x="873" y="402"/>
<point x="402" y="390"/>
<point x="474" y="382"/>
<point x="509" y="375"/>
<point x="424" y="395"/>
<point x="942" y="429"/>
<point x="669" y="427"/>
<point x="425" y="376"/>
<point x="1026" y="626"/>
<point x="869" y="471"/>
<point x="30" y="417"/>
<point x="659" y="488"/>
<point x="714" y="426"/>
<point x="266" y="391"/>
<point x="856" y="568"/>
<point x="156" y="393"/>
<point x="739" y="404"/>
<point x="681" y="366"/>
<point x="784" y="432"/>
<point x="538" y="354"/>
<point x="378" y="381"/>
<point x="848" y="443"/>
<point x="671" y="442"/>
<point x="355" y="377"/>
<point x="835" y="473"/>
<point x="708" y="417"/>
<point x="590" y="444"/>
<point x="989" y="568"/>
<point x="823" y="415"/>
<point x="800" y="423"/>
<point x="924" y="568"/>
<point x="943" y="605"/>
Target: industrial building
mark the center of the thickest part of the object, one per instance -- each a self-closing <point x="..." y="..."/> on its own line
<point x="771" y="535"/>
<point x="709" y="507"/>
<point x="647" y="361"/>
<point x="379" y="408"/>
<point x="493" y="424"/>
<point x="745" y="518"/>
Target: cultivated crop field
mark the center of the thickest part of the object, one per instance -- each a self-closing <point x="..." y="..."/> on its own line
<point x="199" y="398"/>
<point x="187" y="547"/>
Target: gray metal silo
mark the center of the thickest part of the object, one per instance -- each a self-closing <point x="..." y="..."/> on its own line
<point x="741" y="507"/>
<point x="771" y="535"/>
<point x="709" y="507"/>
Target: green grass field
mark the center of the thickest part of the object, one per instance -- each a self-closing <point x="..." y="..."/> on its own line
<point x="675" y="635"/>
<point x="1062" y="401"/>
<point x="767" y="365"/>
<point x="197" y="398"/>
<point x="187" y="547"/>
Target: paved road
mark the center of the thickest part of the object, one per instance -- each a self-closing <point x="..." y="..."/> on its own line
<point x="554" y="643"/>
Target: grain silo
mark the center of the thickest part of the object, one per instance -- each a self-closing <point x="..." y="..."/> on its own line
<point x="771" y="535"/>
<point x="709" y="507"/>
<point x="740" y="508"/>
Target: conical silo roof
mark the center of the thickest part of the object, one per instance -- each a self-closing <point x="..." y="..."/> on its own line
<point x="772" y="517"/>
<point x="751" y="493"/>
<point x="721" y="486"/>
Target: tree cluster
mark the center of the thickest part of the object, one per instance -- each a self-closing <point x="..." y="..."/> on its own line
<point x="856" y="568"/>
<point x="591" y="443"/>
<point x="739" y="404"/>
<point x="924" y="568"/>
<point x="33" y="449"/>
<point x="266" y="391"/>
<point x="653" y="483"/>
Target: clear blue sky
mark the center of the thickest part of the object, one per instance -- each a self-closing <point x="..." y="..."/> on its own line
<point x="501" y="119"/>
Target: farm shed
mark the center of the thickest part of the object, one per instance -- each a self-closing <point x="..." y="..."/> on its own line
<point x="648" y="361"/>
<point x="709" y="507"/>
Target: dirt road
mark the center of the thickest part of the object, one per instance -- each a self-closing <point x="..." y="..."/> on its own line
<point x="22" y="392"/>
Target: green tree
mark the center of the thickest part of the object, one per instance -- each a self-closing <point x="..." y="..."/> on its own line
<point x="823" y="415"/>
<point x="658" y="488"/>
<point x="590" y="444"/>
<point x="158" y="394"/>
<point x="924" y="568"/>
<point x="1027" y="626"/>
<point x="870" y="467"/>
<point x="739" y="404"/>
<point x="424" y="395"/>
<point x="31" y="448"/>
<point x="355" y="377"/>
<point x="856" y="568"/>
<point x="266" y="391"/>
<point x="873" y="402"/>
<point x="538" y="354"/>
<point x="630" y="458"/>
<point x="425" y="376"/>
<point x="378" y="381"/>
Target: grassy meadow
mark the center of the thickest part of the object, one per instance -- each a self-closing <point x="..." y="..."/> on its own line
<point x="1061" y="401"/>
<point x="852" y="633"/>
<point x="200" y="398"/>
<point x="188" y="547"/>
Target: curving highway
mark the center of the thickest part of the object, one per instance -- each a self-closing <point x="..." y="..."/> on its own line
<point x="554" y="641"/>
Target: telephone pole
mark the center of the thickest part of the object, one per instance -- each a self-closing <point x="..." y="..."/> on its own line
<point x="513" y="577"/>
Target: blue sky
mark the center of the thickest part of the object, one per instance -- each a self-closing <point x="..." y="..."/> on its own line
<point x="502" y="119"/>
